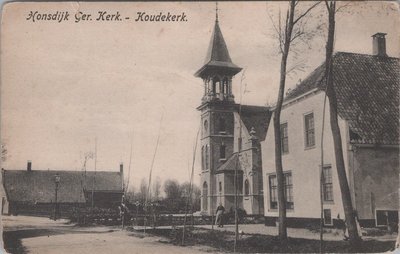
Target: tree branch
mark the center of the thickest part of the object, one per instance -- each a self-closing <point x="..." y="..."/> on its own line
<point x="343" y="6"/>
<point x="307" y="11"/>
<point x="277" y="31"/>
<point x="327" y="5"/>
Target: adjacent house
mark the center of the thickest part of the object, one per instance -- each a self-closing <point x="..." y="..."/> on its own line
<point x="367" y="90"/>
<point x="36" y="192"/>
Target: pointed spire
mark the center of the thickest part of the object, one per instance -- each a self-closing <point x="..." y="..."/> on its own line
<point x="217" y="53"/>
<point x="216" y="11"/>
<point x="217" y="50"/>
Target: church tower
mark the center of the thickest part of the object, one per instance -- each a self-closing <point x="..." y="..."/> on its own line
<point x="217" y="107"/>
<point x="230" y="136"/>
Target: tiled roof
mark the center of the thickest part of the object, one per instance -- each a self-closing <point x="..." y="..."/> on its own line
<point x="257" y="117"/>
<point x="367" y="89"/>
<point x="39" y="186"/>
<point x="104" y="181"/>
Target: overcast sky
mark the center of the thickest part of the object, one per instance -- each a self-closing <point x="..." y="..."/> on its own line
<point x="63" y="84"/>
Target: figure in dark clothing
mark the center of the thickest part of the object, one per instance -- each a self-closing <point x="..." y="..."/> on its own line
<point x="219" y="216"/>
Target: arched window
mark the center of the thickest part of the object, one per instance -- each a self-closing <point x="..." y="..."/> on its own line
<point x="222" y="149"/>
<point x="216" y="85"/>
<point x="207" y="157"/>
<point x="225" y="86"/>
<point x="246" y="187"/>
<point x="202" y="158"/>
<point x="222" y="126"/>
<point x="205" y="197"/>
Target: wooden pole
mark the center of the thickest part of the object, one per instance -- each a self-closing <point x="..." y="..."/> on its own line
<point x="94" y="177"/>
<point x="189" y="198"/>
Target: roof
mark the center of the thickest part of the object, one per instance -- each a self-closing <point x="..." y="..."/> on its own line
<point x="39" y="186"/>
<point x="230" y="164"/>
<point x="367" y="89"/>
<point x="218" y="54"/>
<point x="104" y="181"/>
<point x="256" y="117"/>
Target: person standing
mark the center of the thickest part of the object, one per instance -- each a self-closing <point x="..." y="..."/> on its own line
<point x="220" y="213"/>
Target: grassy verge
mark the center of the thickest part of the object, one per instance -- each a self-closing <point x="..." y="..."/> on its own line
<point x="12" y="239"/>
<point x="224" y="241"/>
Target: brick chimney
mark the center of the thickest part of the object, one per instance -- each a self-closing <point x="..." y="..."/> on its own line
<point x="29" y="166"/>
<point x="379" y="44"/>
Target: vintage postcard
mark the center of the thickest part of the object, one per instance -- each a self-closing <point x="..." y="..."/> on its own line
<point x="195" y="127"/>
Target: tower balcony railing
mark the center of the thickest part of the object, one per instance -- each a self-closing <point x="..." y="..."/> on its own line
<point x="218" y="97"/>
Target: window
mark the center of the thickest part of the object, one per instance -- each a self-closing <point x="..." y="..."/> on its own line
<point x="273" y="190"/>
<point x="207" y="157"/>
<point x="327" y="217"/>
<point x="246" y="188"/>
<point x="222" y="127"/>
<point x="205" y="196"/>
<point x="327" y="183"/>
<point x="386" y="217"/>
<point x="284" y="138"/>
<point x="289" y="191"/>
<point x="222" y="149"/>
<point x="220" y="187"/>
<point x="309" y="130"/>
<point x="202" y="158"/>
<point x="225" y="86"/>
<point x="215" y="85"/>
<point x="205" y="126"/>
<point x="239" y="144"/>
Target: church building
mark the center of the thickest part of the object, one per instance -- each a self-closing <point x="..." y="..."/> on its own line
<point x="230" y="136"/>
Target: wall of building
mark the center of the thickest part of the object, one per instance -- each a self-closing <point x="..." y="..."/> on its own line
<point x="376" y="170"/>
<point x="104" y="199"/>
<point x="250" y="162"/>
<point x="304" y="163"/>
<point x="213" y="136"/>
<point x="43" y="209"/>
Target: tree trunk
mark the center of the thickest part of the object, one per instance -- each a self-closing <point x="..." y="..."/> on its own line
<point x="337" y="141"/>
<point x="277" y="124"/>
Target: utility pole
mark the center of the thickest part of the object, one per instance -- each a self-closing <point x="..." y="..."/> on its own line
<point x="57" y="182"/>
<point x="94" y="177"/>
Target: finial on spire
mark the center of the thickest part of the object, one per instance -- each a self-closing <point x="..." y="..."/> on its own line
<point x="216" y="11"/>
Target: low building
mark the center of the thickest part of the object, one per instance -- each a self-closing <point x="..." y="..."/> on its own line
<point x="36" y="192"/>
<point x="367" y="90"/>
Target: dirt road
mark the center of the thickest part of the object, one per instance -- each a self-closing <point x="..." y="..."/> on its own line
<point x="25" y="234"/>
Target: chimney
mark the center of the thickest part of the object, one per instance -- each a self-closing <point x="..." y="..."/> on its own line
<point x="379" y="44"/>
<point x="29" y="166"/>
<point x="121" y="167"/>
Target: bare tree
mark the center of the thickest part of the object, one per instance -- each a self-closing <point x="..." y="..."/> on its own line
<point x="288" y="30"/>
<point x="142" y="190"/>
<point x="156" y="189"/>
<point x="3" y="152"/>
<point x="337" y="140"/>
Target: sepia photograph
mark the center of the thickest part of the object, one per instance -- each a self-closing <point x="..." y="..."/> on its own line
<point x="199" y="127"/>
